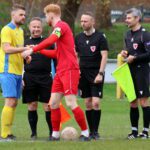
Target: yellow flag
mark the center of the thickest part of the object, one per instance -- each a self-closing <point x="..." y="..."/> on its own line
<point x="123" y="77"/>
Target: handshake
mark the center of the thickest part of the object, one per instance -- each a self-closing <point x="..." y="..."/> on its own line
<point x="27" y="52"/>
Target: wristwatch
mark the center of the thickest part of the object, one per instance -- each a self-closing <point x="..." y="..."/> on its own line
<point x="101" y="73"/>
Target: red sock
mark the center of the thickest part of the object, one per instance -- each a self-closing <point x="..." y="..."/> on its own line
<point x="80" y="118"/>
<point x="55" y="118"/>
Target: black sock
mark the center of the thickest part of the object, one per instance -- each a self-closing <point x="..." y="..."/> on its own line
<point x="96" y="119"/>
<point x="48" y="120"/>
<point x="89" y="117"/>
<point x="146" y="117"/>
<point x="33" y="119"/>
<point x="134" y="117"/>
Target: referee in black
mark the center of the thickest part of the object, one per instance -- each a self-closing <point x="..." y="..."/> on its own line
<point x="92" y="49"/>
<point x="137" y="53"/>
<point x="37" y="79"/>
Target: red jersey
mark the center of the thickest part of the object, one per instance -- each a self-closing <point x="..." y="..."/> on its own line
<point x="66" y="57"/>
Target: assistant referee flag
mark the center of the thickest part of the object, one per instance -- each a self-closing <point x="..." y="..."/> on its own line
<point x="123" y="77"/>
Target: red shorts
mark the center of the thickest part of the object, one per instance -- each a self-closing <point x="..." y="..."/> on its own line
<point x="66" y="82"/>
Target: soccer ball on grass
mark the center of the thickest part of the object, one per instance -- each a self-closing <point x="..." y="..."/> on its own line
<point x="69" y="134"/>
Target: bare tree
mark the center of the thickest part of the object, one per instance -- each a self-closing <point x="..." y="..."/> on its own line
<point x="102" y="16"/>
<point x="69" y="12"/>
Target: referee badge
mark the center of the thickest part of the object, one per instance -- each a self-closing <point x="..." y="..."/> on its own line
<point x="93" y="48"/>
<point x="135" y="46"/>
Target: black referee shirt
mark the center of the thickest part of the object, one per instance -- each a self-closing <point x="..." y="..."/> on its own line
<point x="40" y="64"/>
<point x="138" y="44"/>
<point x="89" y="47"/>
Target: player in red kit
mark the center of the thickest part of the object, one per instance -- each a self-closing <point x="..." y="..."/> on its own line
<point x="67" y="72"/>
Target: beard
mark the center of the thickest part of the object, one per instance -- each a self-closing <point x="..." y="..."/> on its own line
<point x="19" y="23"/>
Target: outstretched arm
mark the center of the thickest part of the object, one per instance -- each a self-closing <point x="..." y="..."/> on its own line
<point x="45" y="43"/>
<point x="49" y="53"/>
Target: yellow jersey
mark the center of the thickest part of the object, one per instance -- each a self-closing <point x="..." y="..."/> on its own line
<point x="11" y="63"/>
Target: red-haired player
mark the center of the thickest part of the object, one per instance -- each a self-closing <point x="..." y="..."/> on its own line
<point x="67" y="72"/>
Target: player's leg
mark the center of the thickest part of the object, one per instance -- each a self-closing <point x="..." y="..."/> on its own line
<point x="33" y="118"/>
<point x="71" y="102"/>
<point x="85" y="91"/>
<point x="54" y="103"/>
<point x="89" y="114"/>
<point x="55" y="115"/>
<point x="96" y="116"/>
<point x="97" y="94"/>
<point x="11" y="87"/>
<point x="146" y="117"/>
<point x="7" y="118"/>
<point x="70" y="80"/>
<point x="45" y="83"/>
<point x="48" y="117"/>
<point x="134" y="119"/>
<point x="30" y="97"/>
<point x="134" y="110"/>
<point x="142" y="91"/>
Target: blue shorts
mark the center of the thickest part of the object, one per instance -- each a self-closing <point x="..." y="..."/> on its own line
<point x="11" y="85"/>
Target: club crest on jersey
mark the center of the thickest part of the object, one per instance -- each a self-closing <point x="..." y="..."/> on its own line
<point x="135" y="46"/>
<point x="93" y="48"/>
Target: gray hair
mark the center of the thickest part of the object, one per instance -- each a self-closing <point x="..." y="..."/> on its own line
<point x="135" y="12"/>
<point x="36" y="18"/>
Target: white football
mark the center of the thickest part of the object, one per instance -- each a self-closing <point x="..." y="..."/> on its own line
<point x="69" y="134"/>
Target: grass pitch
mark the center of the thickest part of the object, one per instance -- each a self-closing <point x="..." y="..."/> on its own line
<point x="114" y="128"/>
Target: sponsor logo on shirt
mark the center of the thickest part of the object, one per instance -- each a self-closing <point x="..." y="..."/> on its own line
<point x="104" y="35"/>
<point x="135" y="46"/>
<point x="93" y="48"/>
<point x="141" y="92"/>
<point x="87" y="41"/>
<point x="66" y="91"/>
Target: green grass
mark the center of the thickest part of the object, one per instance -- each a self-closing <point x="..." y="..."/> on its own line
<point x="113" y="129"/>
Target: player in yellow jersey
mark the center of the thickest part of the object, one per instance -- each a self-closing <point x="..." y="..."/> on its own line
<point x="11" y="66"/>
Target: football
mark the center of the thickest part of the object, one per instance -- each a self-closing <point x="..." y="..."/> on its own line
<point x="69" y="134"/>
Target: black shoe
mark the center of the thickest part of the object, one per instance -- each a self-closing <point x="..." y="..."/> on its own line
<point x="96" y="136"/>
<point x="51" y="138"/>
<point x="9" y="138"/>
<point x="33" y="137"/>
<point x="84" y="138"/>
<point x="133" y="135"/>
<point x="143" y="135"/>
<point x="91" y="135"/>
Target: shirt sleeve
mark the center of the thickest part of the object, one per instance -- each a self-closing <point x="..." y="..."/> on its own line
<point x="103" y="42"/>
<point x="59" y="30"/>
<point x="76" y="44"/>
<point x="125" y="42"/>
<point x="5" y="36"/>
<point x="145" y="57"/>
<point x="146" y="41"/>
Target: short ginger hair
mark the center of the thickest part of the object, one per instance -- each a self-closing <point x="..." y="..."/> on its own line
<point x="54" y="8"/>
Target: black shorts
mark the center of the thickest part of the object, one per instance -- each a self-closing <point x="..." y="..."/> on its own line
<point x="37" y="88"/>
<point x="140" y="75"/>
<point x="87" y="86"/>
